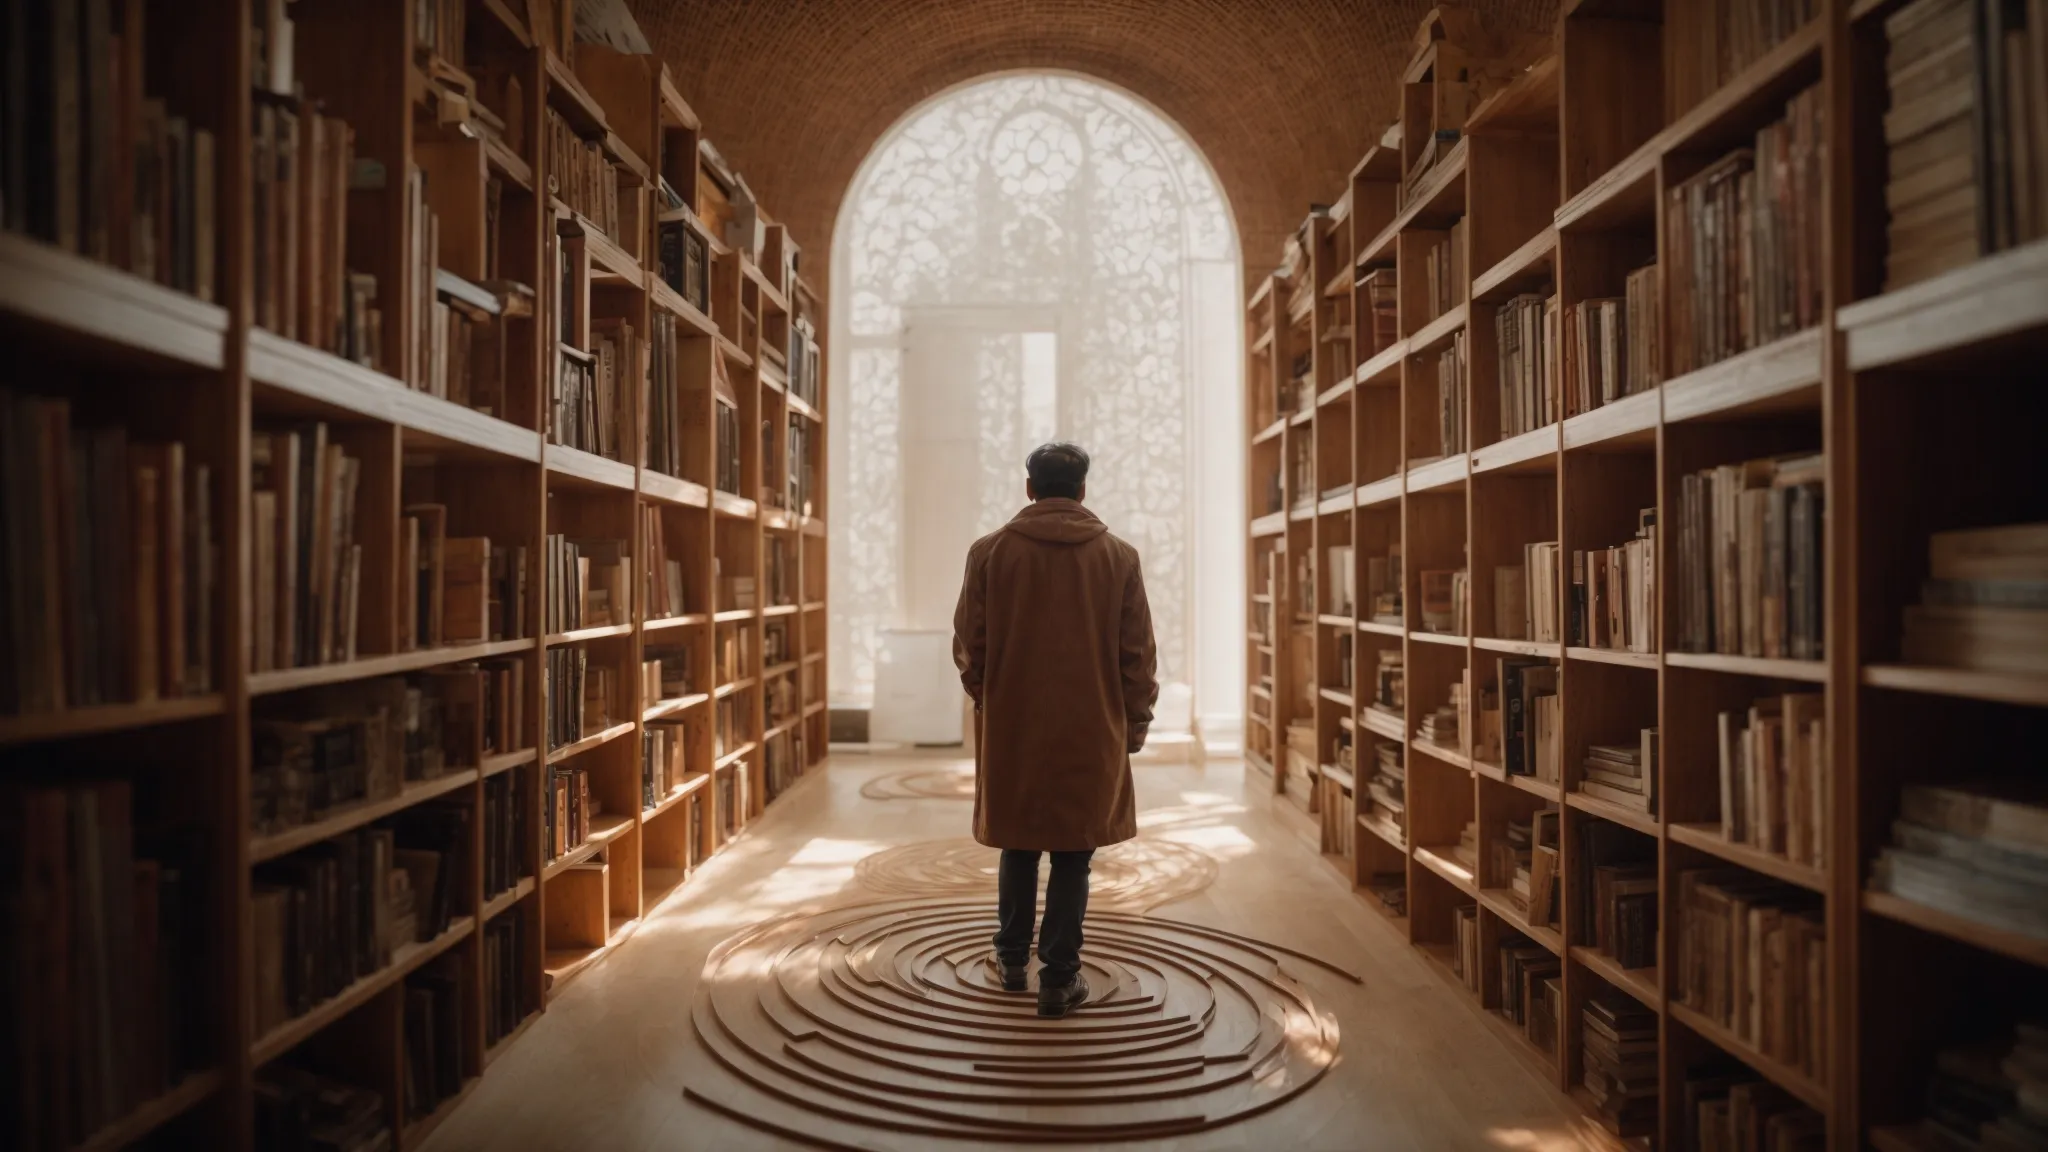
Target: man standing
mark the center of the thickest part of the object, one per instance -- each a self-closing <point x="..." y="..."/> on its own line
<point x="1054" y="642"/>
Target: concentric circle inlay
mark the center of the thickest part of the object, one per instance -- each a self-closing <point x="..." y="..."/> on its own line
<point x="1136" y="875"/>
<point x="955" y="782"/>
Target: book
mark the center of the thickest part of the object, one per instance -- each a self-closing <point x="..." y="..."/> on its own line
<point x="1749" y="542"/>
<point x="1752" y="958"/>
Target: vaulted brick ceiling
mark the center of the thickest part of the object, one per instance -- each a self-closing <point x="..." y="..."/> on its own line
<point x="1282" y="96"/>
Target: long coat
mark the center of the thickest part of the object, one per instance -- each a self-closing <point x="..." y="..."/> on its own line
<point x="1054" y="642"/>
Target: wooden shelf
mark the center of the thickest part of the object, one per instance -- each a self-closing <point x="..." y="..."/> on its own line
<point x="66" y="291"/>
<point x="2027" y="949"/>
<point x="29" y="728"/>
<point x="1534" y="787"/>
<point x="662" y="710"/>
<point x="1439" y="861"/>
<point x="1980" y="303"/>
<point x="579" y="747"/>
<point x="1448" y="472"/>
<point x="366" y="667"/>
<point x="1381" y="492"/>
<point x="724" y="690"/>
<point x="1449" y="639"/>
<point x="1443" y="752"/>
<point x="671" y="301"/>
<point x="1383" y="367"/>
<point x="1531" y="452"/>
<point x="604" y="828"/>
<point x="356" y="815"/>
<point x="195" y="1089"/>
<point x="1628" y="423"/>
<point x="1782" y="376"/>
<point x="1640" y="983"/>
<point x="1385" y="830"/>
<point x="1643" y="660"/>
<point x="418" y="1131"/>
<point x="665" y="623"/>
<point x="1519" y="647"/>
<point x="691" y="784"/>
<point x="1811" y="671"/>
<point x="595" y="632"/>
<point x="1380" y="629"/>
<point x="588" y="468"/>
<point x="1528" y="104"/>
<point x="685" y="492"/>
<point x="733" y="616"/>
<point x="1783" y="1075"/>
<point x="1503" y="902"/>
<point x="1970" y="684"/>
<point x="1730" y="117"/>
<point x="1336" y="697"/>
<point x="404" y="961"/>
<point x="1383" y="723"/>
<point x="1618" y="813"/>
<point x="1707" y="838"/>
<point x="779" y="610"/>
<point x="326" y="384"/>
<point x="496" y="905"/>
<point x="1623" y="196"/>
<point x="732" y="757"/>
<point x="1271" y="524"/>
<point x="727" y="504"/>
<point x="1439" y="331"/>
<point x="505" y="762"/>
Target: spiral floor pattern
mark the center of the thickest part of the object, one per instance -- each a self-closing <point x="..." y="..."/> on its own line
<point x="1136" y="875"/>
<point x="955" y="782"/>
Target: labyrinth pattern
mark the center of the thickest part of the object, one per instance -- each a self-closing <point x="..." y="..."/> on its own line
<point x="1136" y="875"/>
<point x="950" y="783"/>
<point x="863" y="1026"/>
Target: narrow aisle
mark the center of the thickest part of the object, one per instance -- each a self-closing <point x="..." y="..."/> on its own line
<point x="1417" y="1067"/>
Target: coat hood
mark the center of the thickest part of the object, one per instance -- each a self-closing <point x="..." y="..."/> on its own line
<point x="1057" y="521"/>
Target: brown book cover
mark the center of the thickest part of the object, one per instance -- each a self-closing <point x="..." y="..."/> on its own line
<point x="430" y="575"/>
<point x="263" y="575"/>
<point x="146" y="590"/>
<point x="466" y="578"/>
<point x="408" y="583"/>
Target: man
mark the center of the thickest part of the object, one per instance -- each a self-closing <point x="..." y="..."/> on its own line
<point x="1054" y="642"/>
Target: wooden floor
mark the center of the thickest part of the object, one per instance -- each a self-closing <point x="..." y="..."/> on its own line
<point x="1418" y="1067"/>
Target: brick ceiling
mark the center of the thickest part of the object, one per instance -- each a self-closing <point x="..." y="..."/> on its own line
<point x="1282" y="96"/>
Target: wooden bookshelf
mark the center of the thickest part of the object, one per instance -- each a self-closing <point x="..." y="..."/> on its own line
<point x="165" y="365"/>
<point x="1915" y="398"/>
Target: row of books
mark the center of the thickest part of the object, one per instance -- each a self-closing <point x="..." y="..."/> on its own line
<point x="504" y="988"/>
<point x="1743" y="242"/>
<point x="779" y="699"/>
<point x="462" y="590"/>
<point x="730" y="726"/>
<point x="296" y="1108"/>
<point x="1531" y="989"/>
<point x="566" y="809"/>
<point x="1613" y="347"/>
<point x="1525" y="855"/>
<point x="1713" y="42"/>
<point x="301" y="168"/>
<point x="666" y="593"/>
<point x="1378" y="296"/>
<point x="1773" y="761"/>
<point x="732" y="655"/>
<point x="465" y="341"/>
<point x="109" y="562"/>
<point x="665" y="673"/>
<point x="1992" y="1094"/>
<point x="594" y="392"/>
<point x="1389" y="687"/>
<point x="1615" y="890"/>
<point x="802" y="465"/>
<point x="1752" y="957"/>
<point x="1614" y="592"/>
<point x="1531" y="739"/>
<point x="507" y="832"/>
<point x="684" y="255"/>
<point x="777" y="644"/>
<point x="782" y="762"/>
<point x="589" y="583"/>
<point x="1966" y="133"/>
<point x="1749" y="555"/>
<point x="582" y="696"/>
<point x="97" y="166"/>
<point x="1452" y="396"/>
<point x="1386" y="792"/>
<point x="333" y="913"/>
<point x="1525" y="596"/>
<point x="1446" y="599"/>
<point x="1984" y="603"/>
<point x="1444" y="266"/>
<point x="1618" y="1062"/>
<point x="778" y="556"/>
<point x="307" y="563"/>
<point x="1525" y="338"/>
<point x="662" y="403"/>
<point x="579" y="173"/>
<point x="662" y="765"/>
<point x="1624" y="774"/>
<point x="1729" y="1109"/>
<point x="1978" y="850"/>
<point x="104" y="921"/>
<point x="433" y="1040"/>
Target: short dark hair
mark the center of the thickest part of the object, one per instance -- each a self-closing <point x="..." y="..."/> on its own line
<point x="1057" y="470"/>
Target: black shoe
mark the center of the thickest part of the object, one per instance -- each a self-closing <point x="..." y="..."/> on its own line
<point x="1058" y="1001"/>
<point x="1016" y="977"/>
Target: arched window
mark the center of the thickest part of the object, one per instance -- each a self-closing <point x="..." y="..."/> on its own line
<point x="1024" y="258"/>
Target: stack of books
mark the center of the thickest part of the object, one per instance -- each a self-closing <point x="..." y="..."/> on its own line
<point x="589" y="583"/>
<point x="579" y="173"/>
<point x="1618" y="1044"/>
<point x="1614" y="888"/>
<point x="317" y="752"/>
<point x="1729" y="921"/>
<point x="1984" y="604"/>
<point x="1445" y="267"/>
<point x="298" y="1109"/>
<point x="1992" y="1095"/>
<point x="1531" y="989"/>
<point x="1387" y="791"/>
<point x="1614" y="592"/>
<point x="1774" y="777"/>
<point x="307" y="566"/>
<point x="661" y="761"/>
<point x="1976" y="850"/>
<point x="1444" y="601"/>
<point x="1525" y="334"/>
<point x="568" y="807"/>
<point x="1525" y="596"/>
<point x="1732" y="1108"/>
<point x="435" y="1039"/>
<point x="1749" y="555"/>
<point x="1451" y="395"/>
<point x="1624" y="774"/>
<point x="1613" y="346"/>
<point x="1388" y="691"/>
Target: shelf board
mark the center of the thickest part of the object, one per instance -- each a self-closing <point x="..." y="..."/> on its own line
<point x="1532" y="452"/>
<point x="404" y="960"/>
<point x="496" y="905"/>
<point x="1270" y="432"/>
<point x="782" y="669"/>
<point x="1440" y="198"/>
<point x="277" y="844"/>
<point x="1625" y="194"/>
<point x="1381" y="629"/>
<point x="1336" y="697"/>
<point x="1534" y="787"/>
<point x="779" y="610"/>
<point x="1707" y="838"/>
<point x="610" y="264"/>
<point x="565" y="964"/>
<point x="1525" y="269"/>
<point x="28" y="728"/>
<point x="1519" y="647"/>
<point x="1503" y="902"/>
<point x="674" y="490"/>
<point x="1383" y="723"/>
<point x="1444" y="752"/>
<point x="589" y="467"/>
<point x="1337" y="505"/>
<point x="363" y="668"/>
<point x="691" y="783"/>
<point x="1730" y="117"/>
<point x="578" y="747"/>
<point x="1980" y="303"/>
<point x="1641" y="983"/>
<point x="68" y="291"/>
<point x="1782" y="376"/>
<point x="1643" y="660"/>
<point x="576" y="103"/>
<point x="729" y="504"/>
<point x="1335" y="392"/>
<point x="153" y="1114"/>
<point x="1333" y="620"/>
<point x="1629" y="423"/>
<point x="1527" y="105"/>
<point x="1439" y="861"/>
<point x="332" y="384"/>
<point x="1968" y="683"/>
<point x="663" y="709"/>
<point x="777" y="730"/>
<point x="1620" y="814"/>
<point x="667" y="622"/>
<point x="673" y="302"/>
<point x="813" y="657"/>
<point x="1439" y="330"/>
<point x="724" y="690"/>
<point x="734" y="352"/>
<point x="1919" y="1136"/>
<point x="732" y="757"/>
<point x="504" y="161"/>
<point x="1449" y="639"/>
<point x="802" y="407"/>
<point x="1811" y="671"/>
<point x="1386" y="830"/>
<point x="1301" y="419"/>
<point x="1382" y="364"/>
<point x="1340" y="775"/>
<point x="604" y="828"/>
<point x="1385" y="490"/>
<point x="814" y="606"/>
<point x="813" y="708"/>
<point x="1445" y="473"/>
<point x="2028" y="949"/>
<point x="596" y="632"/>
<point x="1271" y="524"/>
<point x="732" y="616"/>
<point x="1783" y="1075"/>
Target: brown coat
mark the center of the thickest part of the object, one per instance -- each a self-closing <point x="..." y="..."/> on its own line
<point x="1054" y="642"/>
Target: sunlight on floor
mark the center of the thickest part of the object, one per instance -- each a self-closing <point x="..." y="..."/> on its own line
<point x="821" y="850"/>
<point x="1529" y="1140"/>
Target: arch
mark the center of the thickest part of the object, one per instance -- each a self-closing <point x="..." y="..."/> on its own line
<point x="1033" y="210"/>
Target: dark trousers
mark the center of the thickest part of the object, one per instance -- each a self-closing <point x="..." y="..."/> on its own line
<point x="1066" y="902"/>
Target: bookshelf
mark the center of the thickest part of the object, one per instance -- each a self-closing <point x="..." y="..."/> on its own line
<point x="507" y="451"/>
<point x="1903" y="403"/>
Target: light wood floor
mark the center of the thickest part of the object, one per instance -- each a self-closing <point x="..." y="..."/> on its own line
<point x="606" y="1065"/>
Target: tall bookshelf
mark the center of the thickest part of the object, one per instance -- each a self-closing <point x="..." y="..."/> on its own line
<point x="1558" y="179"/>
<point x="462" y="92"/>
